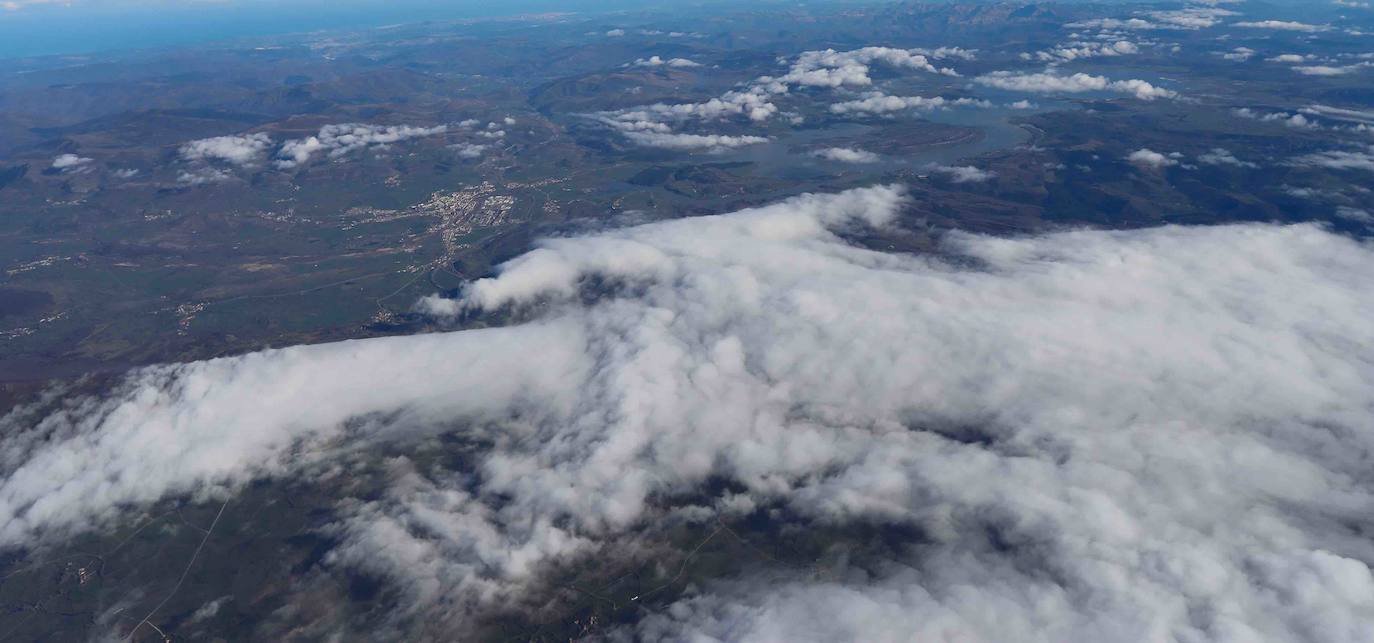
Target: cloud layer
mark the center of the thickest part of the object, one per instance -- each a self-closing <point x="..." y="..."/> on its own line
<point x="1113" y="436"/>
<point x="1053" y="83"/>
<point x="340" y="139"/>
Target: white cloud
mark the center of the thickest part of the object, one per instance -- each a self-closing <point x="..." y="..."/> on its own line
<point x="1050" y="83"/>
<point x="1358" y="215"/>
<point x="338" y="140"/>
<point x="880" y="103"/>
<point x="650" y="124"/>
<point x="1290" y="58"/>
<point x="963" y="173"/>
<point x="656" y="61"/>
<point x="830" y="68"/>
<point x="469" y="150"/>
<point x="1113" y="23"/>
<point x="1149" y="158"/>
<point x="1362" y="116"/>
<point x="1283" y="25"/>
<point x="1296" y="121"/>
<point x="244" y="149"/>
<point x="70" y="161"/>
<point x="1189" y="19"/>
<point x="1340" y="159"/>
<point x="615" y="33"/>
<point x="1079" y="50"/>
<point x="1239" y="54"/>
<point x="1221" y="156"/>
<point x="1194" y="18"/>
<point x="1100" y="435"/>
<point x="204" y="175"/>
<point x="846" y="155"/>
<point x="1332" y="70"/>
<point x="712" y="142"/>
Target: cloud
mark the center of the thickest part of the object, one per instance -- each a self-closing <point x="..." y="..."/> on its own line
<point x="16" y="5"/>
<point x="1330" y="70"/>
<point x="1097" y="435"/>
<point x="1358" y="215"/>
<point x="1362" y="116"/>
<point x="1080" y="50"/>
<point x="615" y="33"/>
<point x="469" y="150"/>
<point x="341" y="139"/>
<point x="244" y="149"/>
<point x="1189" y="19"/>
<point x="1283" y="25"/>
<point x="1340" y="159"/>
<point x="962" y="174"/>
<point x="70" y="161"/>
<point x="1240" y="54"/>
<point x="824" y="69"/>
<point x="1151" y="159"/>
<point x="1221" y="156"/>
<point x="1297" y="121"/>
<point x="830" y="68"/>
<point x="846" y="155"/>
<point x="1289" y="58"/>
<point x="1051" y="83"/>
<point x="655" y="61"/>
<point x="712" y="142"/>
<point x="880" y="103"/>
<point x="1112" y="23"/>
<point x="204" y="175"/>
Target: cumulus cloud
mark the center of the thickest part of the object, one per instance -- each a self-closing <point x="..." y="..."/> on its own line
<point x="656" y="61"/>
<point x="962" y="173"/>
<point x="880" y="103"/>
<point x="1052" y="83"/>
<point x="340" y="139"/>
<point x="1112" y="23"/>
<point x="1297" y="121"/>
<point x="1079" y="50"/>
<point x="1222" y="156"/>
<point x="70" y="161"/>
<point x="1240" y="54"/>
<point x="203" y="176"/>
<point x="1149" y="158"/>
<point x="712" y="142"/>
<point x="830" y="68"/>
<point x="1283" y="25"/>
<point x="243" y="149"/>
<point x="1332" y="70"/>
<point x="1189" y="19"/>
<point x="824" y="69"/>
<point x="469" y="150"/>
<point x="1192" y="18"/>
<point x="846" y="155"/>
<point x="1106" y="436"/>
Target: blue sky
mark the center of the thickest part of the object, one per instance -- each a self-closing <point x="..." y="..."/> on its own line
<point x="43" y="27"/>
